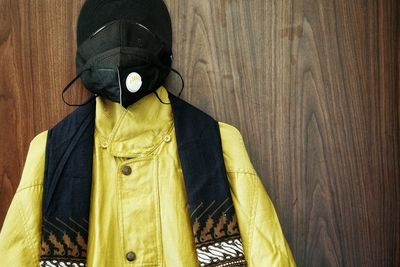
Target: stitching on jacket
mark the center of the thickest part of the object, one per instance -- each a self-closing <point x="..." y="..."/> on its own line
<point x="252" y="218"/>
<point x="28" y="187"/>
<point x="29" y="236"/>
<point x="119" y="213"/>
<point x="117" y="126"/>
<point x="158" y="216"/>
<point x="242" y="172"/>
<point x="151" y="150"/>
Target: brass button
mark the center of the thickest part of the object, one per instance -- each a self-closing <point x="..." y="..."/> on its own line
<point x="131" y="256"/>
<point x="126" y="170"/>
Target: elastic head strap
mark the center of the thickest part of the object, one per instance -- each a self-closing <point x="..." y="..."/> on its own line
<point x="173" y="70"/>
<point x="69" y="85"/>
<point x="183" y="84"/>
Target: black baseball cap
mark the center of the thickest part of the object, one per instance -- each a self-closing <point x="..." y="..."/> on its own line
<point x="153" y="14"/>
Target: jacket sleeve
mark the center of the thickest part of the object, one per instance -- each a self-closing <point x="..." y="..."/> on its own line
<point x="20" y="233"/>
<point x="263" y="240"/>
<point x="267" y="244"/>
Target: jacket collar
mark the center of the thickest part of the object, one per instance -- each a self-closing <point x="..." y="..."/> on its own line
<point x="137" y="129"/>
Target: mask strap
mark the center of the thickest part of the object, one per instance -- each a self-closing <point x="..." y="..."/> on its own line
<point x="183" y="82"/>
<point x="69" y="85"/>
<point x="159" y="98"/>
<point x="180" y="76"/>
<point x="158" y="63"/>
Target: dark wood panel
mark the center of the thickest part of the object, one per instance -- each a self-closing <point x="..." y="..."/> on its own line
<point x="312" y="85"/>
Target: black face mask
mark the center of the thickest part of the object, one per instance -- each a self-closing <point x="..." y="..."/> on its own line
<point x="123" y="61"/>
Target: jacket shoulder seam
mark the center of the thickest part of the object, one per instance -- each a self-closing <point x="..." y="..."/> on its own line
<point x="28" y="187"/>
<point x="251" y="172"/>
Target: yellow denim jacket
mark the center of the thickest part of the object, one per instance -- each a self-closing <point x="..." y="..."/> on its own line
<point x="138" y="214"/>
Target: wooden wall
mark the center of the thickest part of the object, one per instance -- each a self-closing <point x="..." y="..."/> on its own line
<point x="313" y="86"/>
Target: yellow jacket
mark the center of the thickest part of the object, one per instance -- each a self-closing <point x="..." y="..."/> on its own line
<point x="138" y="213"/>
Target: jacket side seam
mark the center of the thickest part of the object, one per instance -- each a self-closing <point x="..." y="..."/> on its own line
<point x="160" y="252"/>
<point x="28" y="240"/>
<point x="252" y="218"/>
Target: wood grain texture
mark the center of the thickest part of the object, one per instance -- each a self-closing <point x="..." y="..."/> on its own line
<point x="313" y="86"/>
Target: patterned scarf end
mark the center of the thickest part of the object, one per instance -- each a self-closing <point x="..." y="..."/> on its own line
<point x="227" y="253"/>
<point x="62" y="263"/>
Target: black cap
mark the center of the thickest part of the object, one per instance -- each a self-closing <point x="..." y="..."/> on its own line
<point x="153" y="14"/>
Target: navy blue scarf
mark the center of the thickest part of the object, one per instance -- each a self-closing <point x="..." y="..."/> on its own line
<point x="68" y="179"/>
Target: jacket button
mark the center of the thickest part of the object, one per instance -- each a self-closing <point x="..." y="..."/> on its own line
<point x="126" y="170"/>
<point x="167" y="138"/>
<point x="104" y="144"/>
<point x="131" y="256"/>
